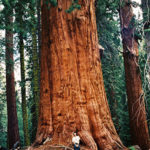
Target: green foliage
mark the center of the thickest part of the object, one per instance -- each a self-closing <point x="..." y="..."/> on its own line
<point x="112" y="66"/>
<point x="74" y="6"/>
<point x="147" y="30"/>
<point x="31" y="82"/>
<point x="136" y="26"/>
<point x="53" y="2"/>
<point x="143" y="68"/>
<point x="3" y="109"/>
<point x="20" y="120"/>
<point x="122" y="111"/>
<point x="24" y="27"/>
<point x="132" y="148"/>
<point x="112" y="62"/>
<point x="145" y="8"/>
<point x="144" y="62"/>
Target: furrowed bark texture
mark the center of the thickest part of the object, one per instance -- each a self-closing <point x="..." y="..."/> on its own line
<point x="13" y="131"/>
<point x="72" y="94"/>
<point x="136" y="104"/>
<point x="45" y="115"/>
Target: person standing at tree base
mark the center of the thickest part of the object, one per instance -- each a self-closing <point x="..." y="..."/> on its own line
<point x="76" y="141"/>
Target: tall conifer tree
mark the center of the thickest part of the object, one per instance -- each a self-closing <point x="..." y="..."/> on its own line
<point x="20" y="22"/>
<point x="135" y="94"/>
<point x="13" y="131"/>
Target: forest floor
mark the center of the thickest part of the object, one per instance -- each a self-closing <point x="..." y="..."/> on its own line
<point x="54" y="147"/>
<point x="50" y="146"/>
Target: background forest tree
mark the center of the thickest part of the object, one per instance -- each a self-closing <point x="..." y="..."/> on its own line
<point x="109" y="33"/>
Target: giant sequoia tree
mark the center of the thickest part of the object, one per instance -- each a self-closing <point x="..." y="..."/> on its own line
<point x="72" y="94"/>
<point x="136" y="104"/>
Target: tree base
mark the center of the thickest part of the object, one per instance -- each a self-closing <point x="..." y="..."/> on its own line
<point x="49" y="146"/>
<point x="43" y="134"/>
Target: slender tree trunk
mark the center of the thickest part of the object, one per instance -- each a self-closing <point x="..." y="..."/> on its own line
<point x="72" y="94"/>
<point x="35" y="72"/>
<point x="19" y="20"/>
<point x="136" y="104"/>
<point x="36" y="89"/>
<point x="23" y="92"/>
<point x="35" y="62"/>
<point x="13" y="131"/>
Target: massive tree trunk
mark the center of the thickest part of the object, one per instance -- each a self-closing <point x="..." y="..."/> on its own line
<point x="136" y="104"/>
<point x="72" y="94"/>
<point x="13" y="131"/>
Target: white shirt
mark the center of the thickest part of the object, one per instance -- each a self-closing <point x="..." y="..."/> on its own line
<point x="76" y="139"/>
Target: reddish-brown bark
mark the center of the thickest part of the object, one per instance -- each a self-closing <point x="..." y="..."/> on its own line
<point x="136" y="105"/>
<point x="72" y="94"/>
<point x="13" y="131"/>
